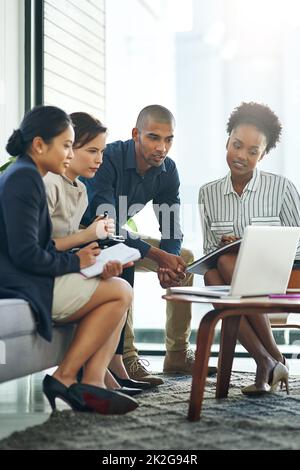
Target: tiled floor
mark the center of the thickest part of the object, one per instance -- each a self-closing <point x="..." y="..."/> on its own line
<point x="22" y="403"/>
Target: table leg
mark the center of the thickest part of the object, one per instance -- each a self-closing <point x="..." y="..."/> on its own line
<point x="230" y="328"/>
<point x="204" y="341"/>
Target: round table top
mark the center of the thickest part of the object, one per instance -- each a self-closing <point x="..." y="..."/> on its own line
<point x="262" y="301"/>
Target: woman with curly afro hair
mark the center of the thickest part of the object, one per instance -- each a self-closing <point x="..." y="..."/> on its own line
<point x="247" y="196"/>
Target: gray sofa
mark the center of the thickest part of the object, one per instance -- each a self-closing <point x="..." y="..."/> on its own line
<point x="22" y="350"/>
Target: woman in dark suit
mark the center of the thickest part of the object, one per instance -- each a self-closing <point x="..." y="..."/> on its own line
<point x="32" y="269"/>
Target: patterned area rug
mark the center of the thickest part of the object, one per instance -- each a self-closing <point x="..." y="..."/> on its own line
<point x="238" y="422"/>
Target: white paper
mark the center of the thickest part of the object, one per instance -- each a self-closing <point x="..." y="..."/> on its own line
<point x="120" y="252"/>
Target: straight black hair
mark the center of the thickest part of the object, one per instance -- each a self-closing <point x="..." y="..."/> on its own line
<point x="46" y="122"/>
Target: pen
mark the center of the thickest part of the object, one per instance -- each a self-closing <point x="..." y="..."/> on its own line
<point x="104" y="216"/>
<point x="284" y="296"/>
<point x="101" y="217"/>
<point x="117" y="238"/>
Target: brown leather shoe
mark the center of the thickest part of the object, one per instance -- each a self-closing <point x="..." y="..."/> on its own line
<point x="182" y="362"/>
<point x="137" y="371"/>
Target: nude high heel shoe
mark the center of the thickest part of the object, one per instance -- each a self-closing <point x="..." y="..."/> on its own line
<point x="280" y="374"/>
<point x="285" y="363"/>
<point x="254" y="391"/>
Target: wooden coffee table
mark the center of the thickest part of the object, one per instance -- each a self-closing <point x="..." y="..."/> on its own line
<point x="230" y="312"/>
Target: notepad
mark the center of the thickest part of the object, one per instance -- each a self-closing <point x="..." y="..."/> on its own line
<point x="200" y="266"/>
<point x="120" y="252"/>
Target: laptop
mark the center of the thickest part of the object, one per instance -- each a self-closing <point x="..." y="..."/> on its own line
<point x="264" y="264"/>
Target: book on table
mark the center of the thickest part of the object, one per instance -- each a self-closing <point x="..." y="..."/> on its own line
<point x="209" y="261"/>
<point x="120" y="252"/>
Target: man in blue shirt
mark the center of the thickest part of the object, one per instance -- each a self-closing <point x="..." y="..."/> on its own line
<point x="133" y="173"/>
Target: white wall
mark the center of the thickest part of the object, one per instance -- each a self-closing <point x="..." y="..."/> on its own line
<point x="74" y="60"/>
<point x="11" y="69"/>
<point x="236" y="51"/>
<point x="233" y="51"/>
<point x="140" y="62"/>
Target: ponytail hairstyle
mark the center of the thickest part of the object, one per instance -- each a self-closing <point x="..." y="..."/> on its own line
<point x="46" y="122"/>
<point x="86" y="128"/>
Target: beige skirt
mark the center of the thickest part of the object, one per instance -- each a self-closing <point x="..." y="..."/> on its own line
<point x="71" y="292"/>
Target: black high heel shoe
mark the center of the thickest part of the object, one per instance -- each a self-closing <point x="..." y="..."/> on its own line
<point x="53" y="389"/>
<point x="129" y="383"/>
<point x="101" y="400"/>
<point x="128" y="391"/>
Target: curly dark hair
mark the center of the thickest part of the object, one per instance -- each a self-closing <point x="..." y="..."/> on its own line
<point x="260" y="116"/>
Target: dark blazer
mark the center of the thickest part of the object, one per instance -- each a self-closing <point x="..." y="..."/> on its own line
<point x="29" y="261"/>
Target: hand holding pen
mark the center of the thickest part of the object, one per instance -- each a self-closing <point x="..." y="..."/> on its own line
<point x="101" y="228"/>
<point x="105" y="227"/>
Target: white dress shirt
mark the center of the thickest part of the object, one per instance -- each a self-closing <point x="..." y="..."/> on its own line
<point x="267" y="199"/>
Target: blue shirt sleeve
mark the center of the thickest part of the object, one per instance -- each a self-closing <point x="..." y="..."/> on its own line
<point x="167" y="210"/>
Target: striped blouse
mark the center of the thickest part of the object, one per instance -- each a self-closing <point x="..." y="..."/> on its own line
<point x="267" y="199"/>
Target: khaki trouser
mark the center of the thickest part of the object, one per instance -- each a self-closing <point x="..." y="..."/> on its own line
<point x="178" y="314"/>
